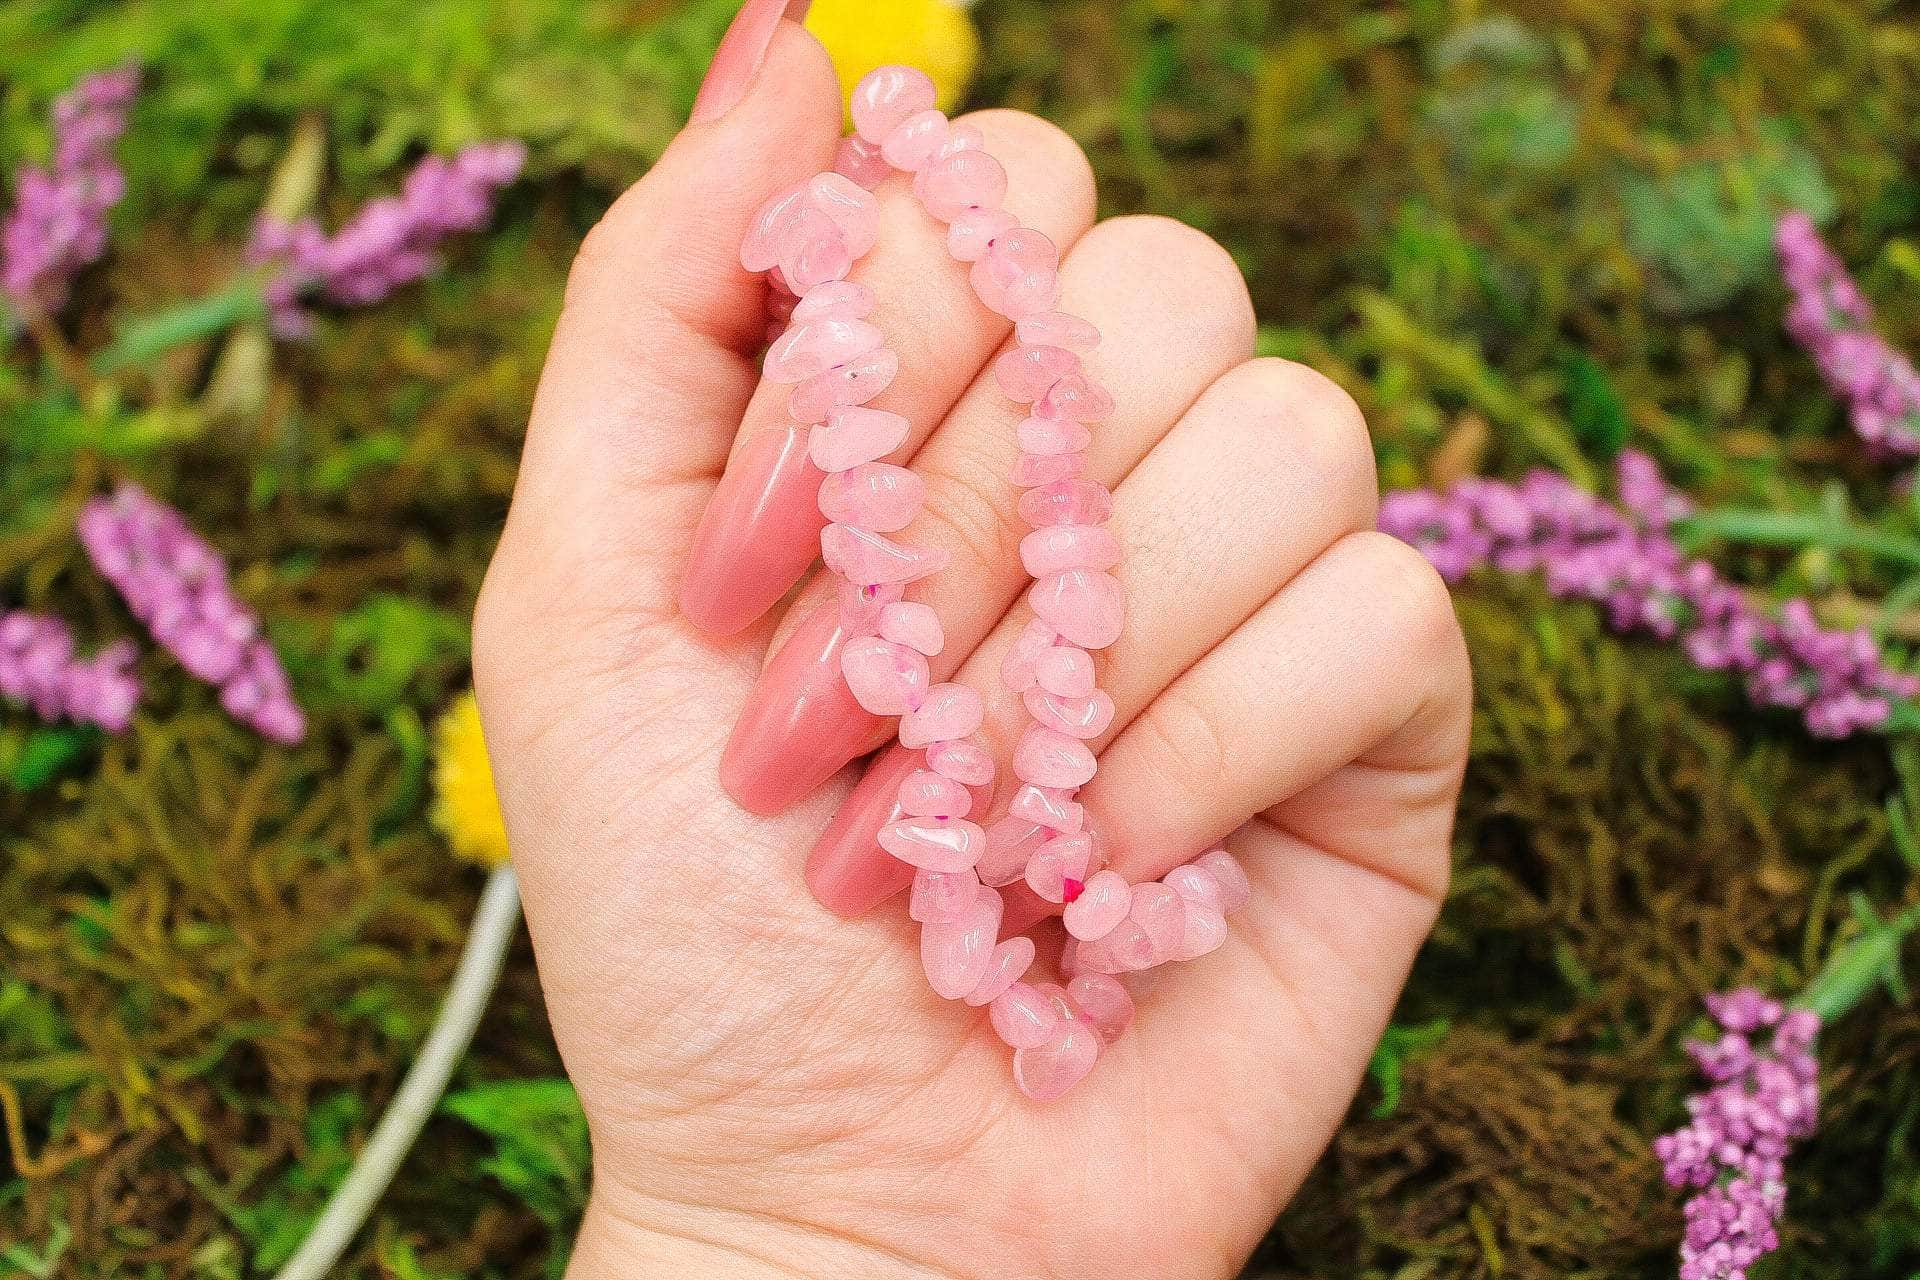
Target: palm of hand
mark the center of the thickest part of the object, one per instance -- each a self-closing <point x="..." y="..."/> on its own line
<point x="770" y="1079"/>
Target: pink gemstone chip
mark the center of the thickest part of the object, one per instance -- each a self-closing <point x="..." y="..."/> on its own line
<point x="973" y="232"/>
<point x="1195" y="885"/>
<point x="1234" y="888"/>
<point x="1162" y="914"/>
<point x="1010" y="844"/>
<point x="1050" y="1070"/>
<point x="886" y="97"/>
<point x="1101" y="906"/>
<point x="963" y="180"/>
<point x="965" y="761"/>
<point x="941" y="897"/>
<point x="1026" y="373"/>
<point x="956" y="956"/>
<point x="1058" y="861"/>
<point x="949" y="711"/>
<point x="884" y="678"/>
<point x="1075" y="399"/>
<point x="1050" y="436"/>
<point x="914" y="625"/>
<point x="860" y="555"/>
<point x="1086" y="606"/>
<point x="851" y="208"/>
<point x="1057" y="329"/>
<point x="1085" y="718"/>
<point x="855" y="382"/>
<point x="1010" y="961"/>
<point x="838" y="300"/>
<point x="1059" y="547"/>
<point x="1017" y="667"/>
<point x="925" y="794"/>
<point x="1033" y="469"/>
<point x="1104" y="1002"/>
<point x="1048" y="758"/>
<point x="855" y="435"/>
<point x="936" y="844"/>
<point x="861" y="161"/>
<point x="1048" y="807"/>
<point x="1066" y="502"/>
<point x="873" y="495"/>
<point x="1023" y="1017"/>
<point x="809" y="348"/>
<point x="1065" y="670"/>
<point x="915" y="141"/>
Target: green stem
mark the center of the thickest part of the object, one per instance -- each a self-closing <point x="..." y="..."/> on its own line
<point x="1789" y="529"/>
<point x="1870" y="957"/>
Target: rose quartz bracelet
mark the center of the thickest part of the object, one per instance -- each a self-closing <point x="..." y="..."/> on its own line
<point x="808" y="238"/>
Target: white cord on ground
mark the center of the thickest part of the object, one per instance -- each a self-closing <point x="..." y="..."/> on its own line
<point x="494" y="922"/>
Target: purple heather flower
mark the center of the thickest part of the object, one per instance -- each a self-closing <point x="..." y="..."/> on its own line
<point x="1625" y="559"/>
<point x="1733" y="1151"/>
<point x="176" y="584"/>
<point x="390" y="242"/>
<point x="38" y="668"/>
<point x="1831" y="318"/>
<point x="59" y="219"/>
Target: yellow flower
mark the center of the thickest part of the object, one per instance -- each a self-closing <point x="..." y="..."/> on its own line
<point x="936" y="36"/>
<point x="466" y="809"/>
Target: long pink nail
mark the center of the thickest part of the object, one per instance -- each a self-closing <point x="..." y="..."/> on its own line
<point x="848" y="871"/>
<point x="760" y="531"/>
<point x="740" y="54"/>
<point x="800" y="724"/>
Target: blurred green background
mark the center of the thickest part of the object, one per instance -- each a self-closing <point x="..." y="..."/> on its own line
<point x="1520" y="234"/>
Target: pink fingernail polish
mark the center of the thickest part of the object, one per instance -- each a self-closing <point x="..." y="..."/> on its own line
<point x="800" y="724"/>
<point x="760" y="531"/>
<point x="740" y="54"/>
<point x="848" y="871"/>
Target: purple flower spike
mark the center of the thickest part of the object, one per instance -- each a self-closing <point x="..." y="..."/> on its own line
<point x="390" y="242"/>
<point x="1733" y="1152"/>
<point x="1832" y="319"/>
<point x="1625" y="559"/>
<point x="177" y="585"/>
<point x="38" y="668"/>
<point x="59" y="219"/>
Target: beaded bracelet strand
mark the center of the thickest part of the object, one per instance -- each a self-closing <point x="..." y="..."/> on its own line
<point x="807" y="239"/>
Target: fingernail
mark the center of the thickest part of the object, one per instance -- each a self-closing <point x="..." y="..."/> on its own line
<point x="740" y="54"/>
<point x="760" y="531"/>
<point x="848" y="871"/>
<point x="800" y="724"/>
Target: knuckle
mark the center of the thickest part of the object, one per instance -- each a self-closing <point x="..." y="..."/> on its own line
<point x="966" y="498"/>
<point x="1187" y="738"/>
<point x="1200" y="286"/>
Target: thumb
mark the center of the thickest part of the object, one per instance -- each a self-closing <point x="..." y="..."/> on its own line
<point x="652" y="361"/>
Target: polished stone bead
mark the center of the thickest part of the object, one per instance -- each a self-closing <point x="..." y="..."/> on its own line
<point x="1010" y="844"/>
<point x="1100" y="906"/>
<point x="887" y="97"/>
<point x="1048" y="758"/>
<point x="925" y="794"/>
<point x="941" y="897"/>
<point x="965" y="761"/>
<point x="1057" y="329"/>
<point x="1048" y="1071"/>
<point x="1196" y="885"/>
<point x="1234" y="887"/>
<point x="936" y="844"/>
<point x="963" y="180"/>
<point x="770" y="227"/>
<point x="1022" y="1017"/>
<point x="955" y="956"/>
<point x="863" y="556"/>
<point x="854" y="436"/>
<point x="1074" y="399"/>
<point x="855" y="382"/>
<point x="836" y="300"/>
<point x="861" y="161"/>
<point x="972" y="232"/>
<point x="1064" y="669"/>
<point x="851" y="208"/>
<point x="1025" y="373"/>
<point x="1058" y="870"/>
<point x="914" y="625"/>
<point x="1086" y="606"/>
<point x="950" y="711"/>
<point x="1162" y="914"/>
<point x="1049" y="436"/>
<point x="811" y="347"/>
<point x="1056" y="548"/>
<point x="873" y="495"/>
<point x="1104" y="1002"/>
<point x="1049" y="807"/>
<point x="1017" y="667"/>
<point x="915" y="141"/>
<point x="1010" y="961"/>
<point x="1085" y="718"/>
<point x="1019" y="275"/>
<point x="1031" y="470"/>
<point x="884" y="678"/>
<point x="1205" y="930"/>
<point x="861" y="605"/>
<point x="1071" y="501"/>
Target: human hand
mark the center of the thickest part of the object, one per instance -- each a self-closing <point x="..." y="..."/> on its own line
<point x="772" y="1089"/>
